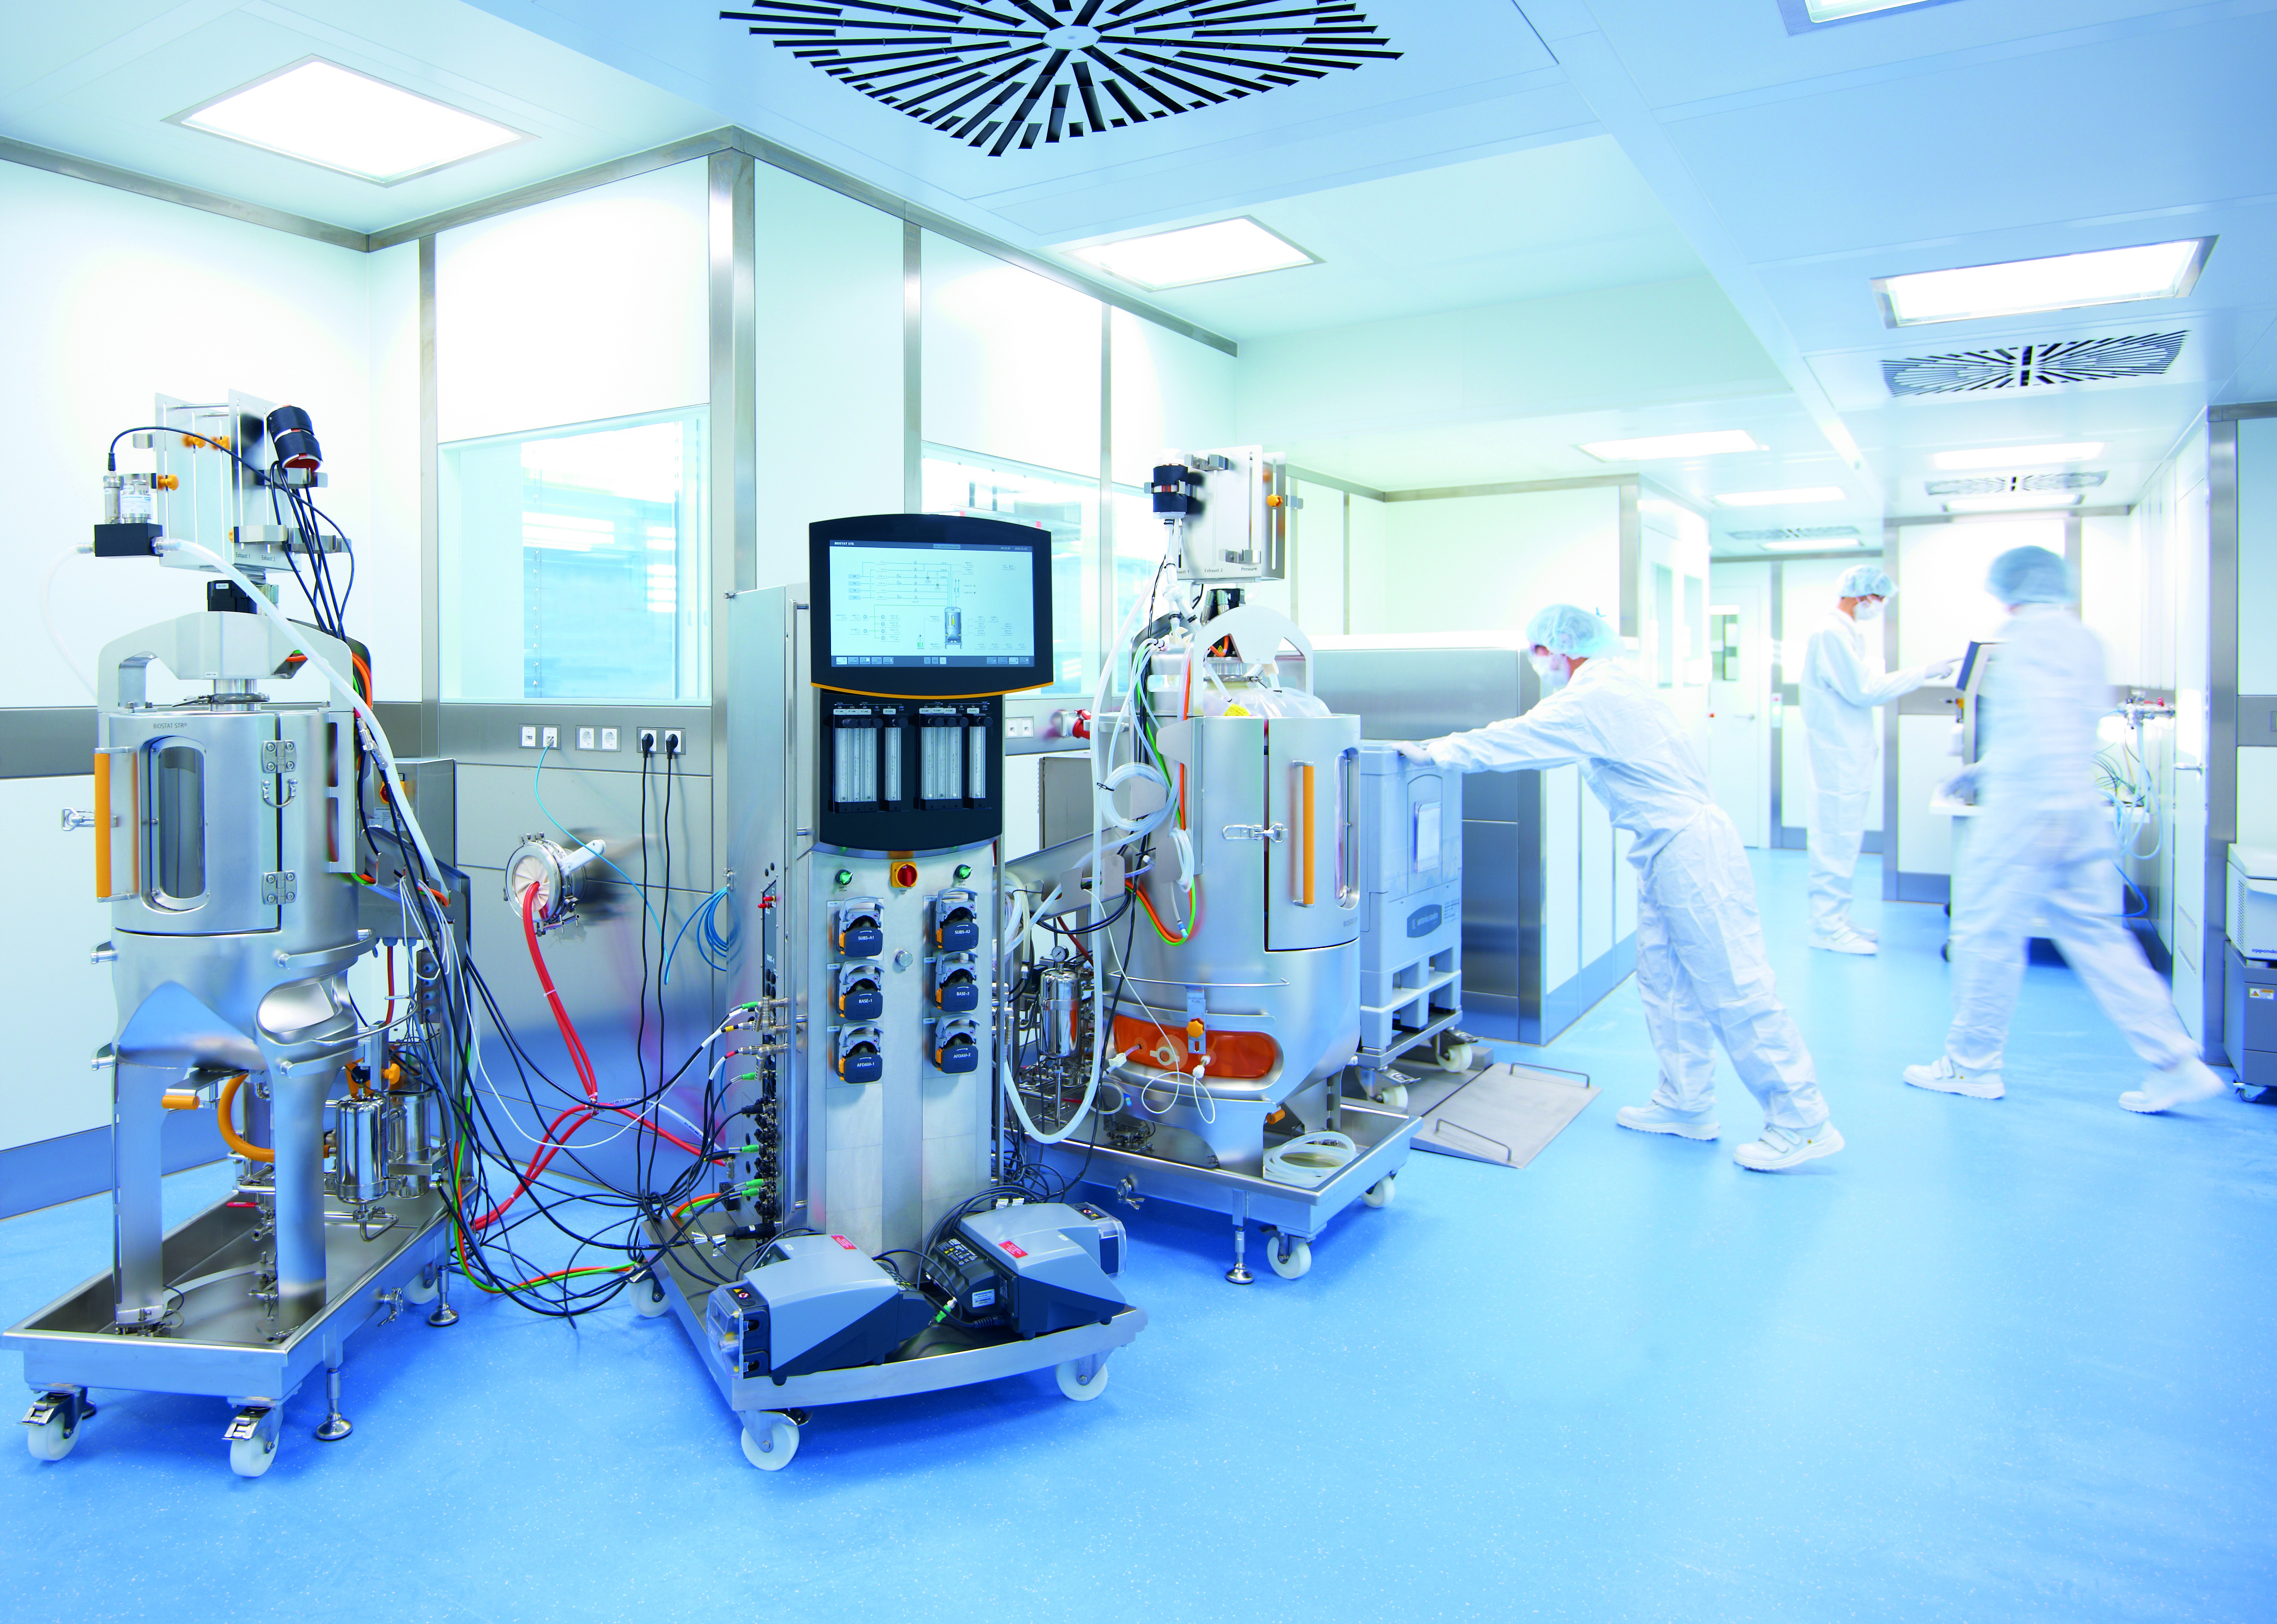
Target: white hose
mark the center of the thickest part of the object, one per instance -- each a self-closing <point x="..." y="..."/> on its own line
<point x="374" y="735"/>
<point x="55" y="633"/>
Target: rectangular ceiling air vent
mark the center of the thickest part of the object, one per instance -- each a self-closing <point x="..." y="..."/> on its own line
<point x="2012" y="484"/>
<point x="1807" y="533"/>
<point x="2034" y="366"/>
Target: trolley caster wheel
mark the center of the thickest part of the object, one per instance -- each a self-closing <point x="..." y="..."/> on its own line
<point x="422" y="1287"/>
<point x="249" y="1457"/>
<point x="52" y="1440"/>
<point x="1075" y="1383"/>
<point x="1458" y="1057"/>
<point x="1394" y="1099"/>
<point x="1944" y="951"/>
<point x="649" y="1299"/>
<point x="772" y="1446"/>
<point x="1290" y="1256"/>
<point x="1379" y="1193"/>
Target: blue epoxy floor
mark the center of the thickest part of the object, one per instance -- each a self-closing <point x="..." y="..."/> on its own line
<point x="1998" y="1360"/>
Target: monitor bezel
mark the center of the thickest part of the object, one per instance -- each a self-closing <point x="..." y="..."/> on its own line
<point x="928" y="681"/>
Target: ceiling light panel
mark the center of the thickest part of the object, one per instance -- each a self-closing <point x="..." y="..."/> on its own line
<point x="1782" y="498"/>
<point x="322" y="113"/>
<point x="2029" y="501"/>
<point x="1804" y="544"/>
<point x="1669" y="447"/>
<point x="2066" y="281"/>
<point x="1212" y="252"/>
<point x="2018" y="455"/>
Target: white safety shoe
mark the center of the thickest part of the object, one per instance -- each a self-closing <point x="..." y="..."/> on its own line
<point x="1782" y="1148"/>
<point x="1874" y="937"/>
<point x="2177" y="1085"/>
<point x="1848" y="940"/>
<point x="1947" y="1078"/>
<point x="1652" y="1118"/>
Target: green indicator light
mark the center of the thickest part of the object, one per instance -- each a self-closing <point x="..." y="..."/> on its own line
<point x="964" y="871"/>
<point x="845" y="878"/>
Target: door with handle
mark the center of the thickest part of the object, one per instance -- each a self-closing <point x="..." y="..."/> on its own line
<point x="1312" y="882"/>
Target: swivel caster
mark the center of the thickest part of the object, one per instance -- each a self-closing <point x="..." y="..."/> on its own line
<point x="1458" y="1057"/>
<point x="648" y="1297"/>
<point x="51" y="1425"/>
<point x="1290" y="1256"/>
<point x="775" y="1440"/>
<point x="252" y="1436"/>
<point x="1379" y="1193"/>
<point x="422" y="1287"/>
<point x="1394" y="1097"/>
<point x="1082" y="1379"/>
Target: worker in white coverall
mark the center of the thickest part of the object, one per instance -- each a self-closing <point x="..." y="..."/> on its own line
<point x="1700" y="966"/>
<point x="1843" y="683"/>
<point x="2041" y="848"/>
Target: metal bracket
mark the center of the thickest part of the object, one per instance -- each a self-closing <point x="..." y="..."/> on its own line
<point x="280" y="756"/>
<point x="69" y="1402"/>
<point x="253" y="1420"/>
<point x="281" y="887"/>
<point x="74" y="818"/>
<point x="1268" y="833"/>
<point x="1197" y="1023"/>
<point x="277" y="790"/>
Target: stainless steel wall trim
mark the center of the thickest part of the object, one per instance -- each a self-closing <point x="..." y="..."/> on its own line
<point x="2257" y="715"/>
<point x="2108" y="510"/>
<point x="2244" y="409"/>
<point x="1892" y="858"/>
<point x="47" y="742"/>
<point x="1308" y="476"/>
<point x="733" y="367"/>
<point x="1632" y="561"/>
<point x="1777" y="617"/>
<point x="912" y="368"/>
<point x="1513" y="488"/>
<point x="1108" y="619"/>
<point x="188" y="197"/>
<point x="2221" y="726"/>
<point x="431" y="510"/>
<point x="728" y="139"/>
<point x="1854" y="554"/>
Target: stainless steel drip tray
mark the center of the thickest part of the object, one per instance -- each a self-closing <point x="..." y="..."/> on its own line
<point x="1384" y="1139"/>
<point x="219" y="1343"/>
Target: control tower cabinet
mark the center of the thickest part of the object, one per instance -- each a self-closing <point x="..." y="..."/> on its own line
<point x="863" y="813"/>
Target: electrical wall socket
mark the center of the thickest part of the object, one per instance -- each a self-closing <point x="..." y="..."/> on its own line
<point x="550" y="738"/>
<point x="585" y="738"/>
<point x="647" y="740"/>
<point x="529" y="739"/>
<point x="609" y="739"/>
<point x="675" y="743"/>
<point x="1019" y="727"/>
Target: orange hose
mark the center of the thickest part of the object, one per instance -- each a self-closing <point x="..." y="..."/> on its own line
<point x="229" y="1134"/>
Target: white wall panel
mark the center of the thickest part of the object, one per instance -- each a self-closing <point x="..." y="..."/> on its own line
<point x="2257" y="554"/>
<point x="1925" y="838"/>
<point x="1941" y="574"/>
<point x="1597" y="906"/>
<point x="829" y="290"/>
<point x="1561" y="793"/>
<point x="388" y="611"/>
<point x="1486" y="564"/>
<point x="114" y="298"/>
<point x="592" y="306"/>
<point x="1011" y="360"/>
<point x="64" y="1010"/>
<point x="1167" y="392"/>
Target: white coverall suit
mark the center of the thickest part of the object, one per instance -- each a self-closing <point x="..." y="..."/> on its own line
<point x="1843" y="683"/>
<point x="1700" y="966"/>
<point x="2041" y="847"/>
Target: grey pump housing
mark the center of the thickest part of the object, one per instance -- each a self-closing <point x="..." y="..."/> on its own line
<point x="820" y="1304"/>
<point x="1060" y="1260"/>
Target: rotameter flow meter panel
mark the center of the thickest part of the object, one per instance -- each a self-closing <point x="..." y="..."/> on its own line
<point x="922" y="623"/>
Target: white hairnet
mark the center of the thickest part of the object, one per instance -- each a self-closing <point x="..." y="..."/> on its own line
<point x="2030" y="575"/>
<point x="1867" y="580"/>
<point x="1563" y="629"/>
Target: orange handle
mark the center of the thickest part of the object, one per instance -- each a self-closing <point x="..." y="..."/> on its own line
<point x="1304" y="836"/>
<point x="229" y="1134"/>
<point x="102" y="827"/>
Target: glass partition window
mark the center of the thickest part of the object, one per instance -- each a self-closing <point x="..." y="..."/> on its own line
<point x="1066" y="505"/>
<point x="573" y="563"/>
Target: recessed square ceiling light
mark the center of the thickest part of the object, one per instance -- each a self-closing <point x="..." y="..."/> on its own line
<point x="1835" y="10"/>
<point x="2066" y="281"/>
<point x="1782" y="498"/>
<point x="1656" y="448"/>
<point x="1212" y="252"/>
<point x="1805" y="543"/>
<point x="2011" y="501"/>
<point x="325" y="114"/>
<point x="2018" y="455"/>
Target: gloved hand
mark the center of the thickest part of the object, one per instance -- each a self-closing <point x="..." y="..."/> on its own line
<point x="1417" y="752"/>
<point x="1943" y="670"/>
<point x="1961" y="786"/>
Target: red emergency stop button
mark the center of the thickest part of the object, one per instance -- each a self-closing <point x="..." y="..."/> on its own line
<point x="905" y="875"/>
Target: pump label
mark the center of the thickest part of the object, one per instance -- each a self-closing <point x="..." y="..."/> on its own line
<point x="844" y="1241"/>
<point x="1424" y="921"/>
<point x="1014" y="1250"/>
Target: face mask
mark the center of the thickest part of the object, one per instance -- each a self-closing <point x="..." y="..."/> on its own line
<point x="1552" y="670"/>
<point x="1870" y="610"/>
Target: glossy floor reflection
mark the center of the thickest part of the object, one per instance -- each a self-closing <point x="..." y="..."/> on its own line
<point x="1997" y="1360"/>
